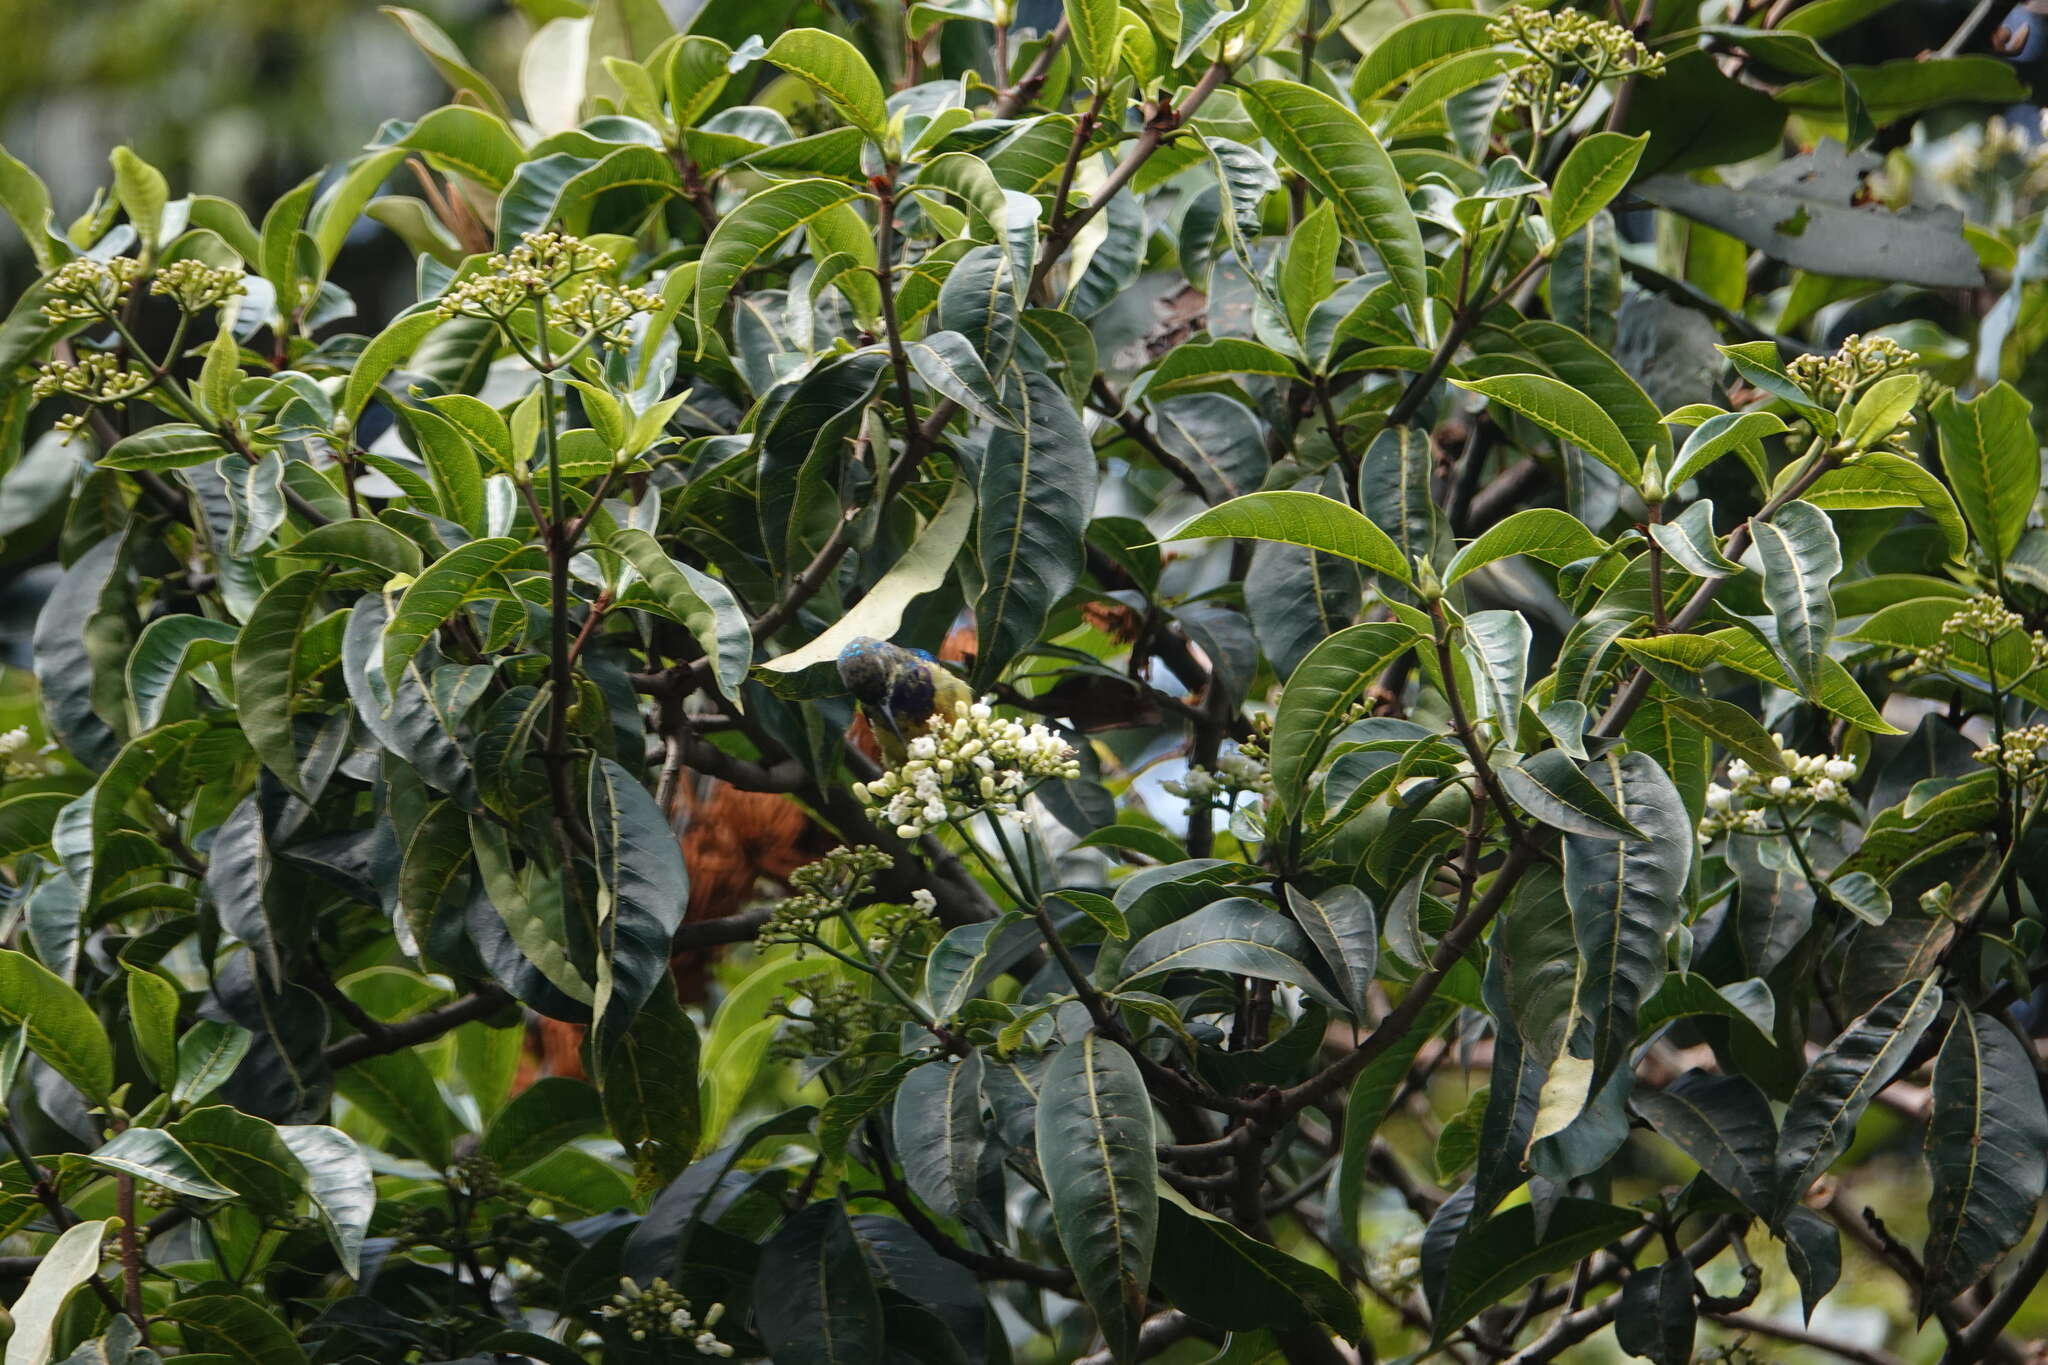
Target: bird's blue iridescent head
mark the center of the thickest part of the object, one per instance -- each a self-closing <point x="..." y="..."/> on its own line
<point x="895" y="681"/>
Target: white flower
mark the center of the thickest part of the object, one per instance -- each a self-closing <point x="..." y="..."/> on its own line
<point x="978" y="762"/>
<point x="924" y="900"/>
<point x="1781" y="785"/>
<point x="1840" y="769"/>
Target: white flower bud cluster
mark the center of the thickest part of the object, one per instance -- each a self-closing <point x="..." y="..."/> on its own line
<point x="1236" y="772"/>
<point x="85" y="289"/>
<point x="1859" y="362"/>
<point x="195" y="285"/>
<point x="1983" y="621"/>
<point x="980" y="762"/>
<point x="95" y="377"/>
<point x="2021" y="755"/>
<point x="541" y="264"/>
<point x="659" y="1311"/>
<point x="1746" y="804"/>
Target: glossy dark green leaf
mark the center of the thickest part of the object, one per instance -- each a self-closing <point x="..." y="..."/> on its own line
<point x="338" y="1181"/>
<point x="1841" y="1083"/>
<point x="1801" y="556"/>
<point x="1985" y="1140"/>
<point x="1624" y="895"/>
<point x="1237" y="935"/>
<point x="1215" y="1273"/>
<point x="1724" y="1124"/>
<point x="652" y="1097"/>
<point x="1036" y="494"/>
<point x="1556" y="792"/>
<point x="1341" y="924"/>
<point x="1318" y="697"/>
<point x="1658" y="1317"/>
<point x="1499" y="1256"/>
<point x="155" y="1156"/>
<point x="937" y="1128"/>
<point x="643" y="889"/>
<point x="814" y="1295"/>
<point x="1337" y="154"/>
<point x="1095" y="1136"/>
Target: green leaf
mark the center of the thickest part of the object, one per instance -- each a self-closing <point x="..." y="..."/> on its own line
<point x="397" y="1090"/>
<point x="153" y="1023"/>
<point x="1831" y="1097"/>
<point x="1095" y="27"/>
<point x="268" y="671"/>
<point x="1724" y="1124"/>
<point x="238" y="1329"/>
<point x="1591" y="176"/>
<point x="1993" y="462"/>
<point x="207" y="1055"/>
<point x="71" y="1260"/>
<point x="1343" y="162"/>
<point x="936" y="1127"/>
<point x="1624" y="897"/>
<point x="1306" y="519"/>
<point x="1565" y="413"/>
<point x="1715" y="437"/>
<point x="468" y="141"/>
<point x="1499" y="1256"/>
<point x="1036" y="495"/>
<point x="1879" y="478"/>
<point x="167" y="649"/>
<point x="1196" y="363"/>
<point x="1219" y="1275"/>
<point x="143" y="193"/>
<point x="1308" y="269"/>
<point x="62" y="1028"/>
<point x="652" y="1095"/>
<point x="1737" y="731"/>
<point x="949" y="364"/>
<point x="1542" y="533"/>
<point x="1553" y="790"/>
<point x="702" y="604"/>
<point x="1341" y="924"/>
<point x="438" y="593"/>
<point x="447" y="58"/>
<point x="1801" y="557"/>
<point x="244" y="1153"/>
<point x="1985" y="1138"/>
<point x="27" y="201"/>
<point x="1690" y="542"/>
<point x="815" y="1299"/>
<point x="642" y="891"/>
<point x="1659" y="1318"/>
<point x="154" y="1155"/>
<point x="386" y="351"/>
<point x="747" y="234"/>
<point x="1414" y="44"/>
<point x="1095" y="1139"/>
<point x="338" y="1180"/>
<point x="839" y="72"/>
<point x="359" y="543"/>
<point x="1318" y="698"/>
<point x="174" y="445"/>
<point x="1237" y="935"/>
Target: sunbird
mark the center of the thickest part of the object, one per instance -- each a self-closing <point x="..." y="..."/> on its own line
<point x="899" y="690"/>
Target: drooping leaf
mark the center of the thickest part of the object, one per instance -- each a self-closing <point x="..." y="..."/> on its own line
<point x="1801" y="556"/>
<point x="1094" y="1144"/>
<point x="1840" y="1084"/>
<point x="643" y="889"/>
<point x="1037" y="491"/>
<point x="1985" y="1141"/>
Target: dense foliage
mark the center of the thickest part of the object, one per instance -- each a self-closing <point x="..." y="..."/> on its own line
<point x="1383" y="584"/>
